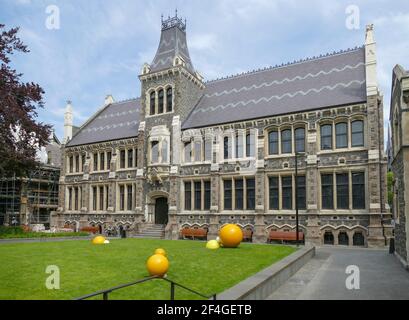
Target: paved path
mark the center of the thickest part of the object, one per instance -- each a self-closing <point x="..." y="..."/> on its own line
<point x="324" y="276"/>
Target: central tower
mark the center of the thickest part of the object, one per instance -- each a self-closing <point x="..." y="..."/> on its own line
<point x="170" y="88"/>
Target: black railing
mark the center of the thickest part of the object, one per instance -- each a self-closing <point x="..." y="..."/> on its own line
<point x="173" y="284"/>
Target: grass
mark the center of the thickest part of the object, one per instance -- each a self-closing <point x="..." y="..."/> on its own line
<point x="85" y="268"/>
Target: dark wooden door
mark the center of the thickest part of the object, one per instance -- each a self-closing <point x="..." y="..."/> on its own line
<point x="161" y="211"/>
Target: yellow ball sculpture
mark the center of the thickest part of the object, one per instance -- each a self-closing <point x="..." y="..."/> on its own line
<point x="212" y="244"/>
<point x="231" y="236"/>
<point x="157" y="265"/>
<point x="98" y="240"/>
<point x="160" y="251"/>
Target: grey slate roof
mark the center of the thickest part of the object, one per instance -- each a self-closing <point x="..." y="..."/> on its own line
<point x="172" y="43"/>
<point x="118" y="120"/>
<point x="327" y="81"/>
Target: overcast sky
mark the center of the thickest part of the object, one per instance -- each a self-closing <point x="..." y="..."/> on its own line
<point x="100" y="46"/>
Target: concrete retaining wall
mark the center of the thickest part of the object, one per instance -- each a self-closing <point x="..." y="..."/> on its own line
<point x="264" y="283"/>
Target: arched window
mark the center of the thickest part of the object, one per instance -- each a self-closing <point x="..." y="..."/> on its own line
<point x="250" y="152"/>
<point x="357" y="135"/>
<point x="286" y="141"/>
<point x="152" y="103"/>
<point x="160" y="101"/>
<point x="273" y="142"/>
<point x="169" y="100"/>
<point x="328" y="238"/>
<point x="299" y="140"/>
<point x="326" y="137"/>
<point x="226" y="147"/>
<point x="343" y="239"/>
<point x="358" y="239"/>
<point x="341" y="135"/>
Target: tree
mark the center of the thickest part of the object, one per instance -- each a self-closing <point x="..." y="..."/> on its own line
<point x="20" y="134"/>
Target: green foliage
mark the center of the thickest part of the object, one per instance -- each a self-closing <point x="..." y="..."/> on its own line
<point x="18" y="232"/>
<point x="86" y="268"/>
<point x="390" y="178"/>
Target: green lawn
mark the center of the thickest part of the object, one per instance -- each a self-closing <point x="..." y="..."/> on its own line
<point x="86" y="268"/>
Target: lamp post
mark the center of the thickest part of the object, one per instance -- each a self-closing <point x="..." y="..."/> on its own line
<point x="296" y="197"/>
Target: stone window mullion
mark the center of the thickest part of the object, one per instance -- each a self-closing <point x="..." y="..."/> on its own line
<point x="334" y="190"/>
<point x="280" y="192"/>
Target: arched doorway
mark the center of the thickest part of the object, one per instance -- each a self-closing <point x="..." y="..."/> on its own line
<point x="328" y="238"/>
<point x="161" y="210"/>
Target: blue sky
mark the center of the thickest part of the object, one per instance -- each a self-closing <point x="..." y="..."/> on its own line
<point x="101" y="46"/>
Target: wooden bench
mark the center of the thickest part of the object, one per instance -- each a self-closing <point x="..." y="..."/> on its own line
<point x="193" y="233"/>
<point x="287" y="236"/>
<point x="247" y="235"/>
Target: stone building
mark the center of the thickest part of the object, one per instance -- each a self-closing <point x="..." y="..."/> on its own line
<point x="203" y="154"/>
<point x="399" y="123"/>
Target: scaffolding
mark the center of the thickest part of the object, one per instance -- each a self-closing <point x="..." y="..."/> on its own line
<point x="29" y="200"/>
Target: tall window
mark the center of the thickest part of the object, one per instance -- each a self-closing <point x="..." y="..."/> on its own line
<point x="287" y="192"/>
<point x="358" y="190"/>
<point x="130" y="158"/>
<point x="106" y="198"/>
<point x="273" y="193"/>
<point x="226" y="148"/>
<point x="198" y="151"/>
<point x="76" y="198"/>
<point x="71" y="163"/>
<point x="95" y="161"/>
<point x="238" y="184"/>
<point x="94" y="198"/>
<point x="70" y="199"/>
<point x="152" y="103"/>
<point x="169" y="101"/>
<point x="286" y="141"/>
<point x="122" y="159"/>
<point x="188" y="196"/>
<point x="188" y="152"/>
<point x="164" y="151"/>
<point x="301" y="193"/>
<point x="122" y="198"/>
<point x="77" y="163"/>
<point x="250" y="194"/>
<point x="207" y="195"/>
<point x="129" y="197"/>
<point x="299" y="139"/>
<point x="208" y="150"/>
<point x="342" y="191"/>
<point x="101" y="198"/>
<point x="160" y="101"/>
<point x="109" y="157"/>
<point x="154" y="152"/>
<point x="198" y="195"/>
<point x="101" y="161"/>
<point x="327" y="191"/>
<point x="357" y="128"/>
<point x="250" y="148"/>
<point x="239" y="145"/>
<point x="341" y="134"/>
<point x="273" y="142"/>
<point x="227" y="194"/>
<point x="82" y="162"/>
<point x="326" y="137"/>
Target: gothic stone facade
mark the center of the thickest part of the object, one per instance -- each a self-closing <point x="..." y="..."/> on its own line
<point x="203" y="154"/>
<point x="399" y="119"/>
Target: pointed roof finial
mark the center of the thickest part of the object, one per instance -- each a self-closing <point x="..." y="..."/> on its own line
<point x="176" y="12"/>
<point x="161" y="17"/>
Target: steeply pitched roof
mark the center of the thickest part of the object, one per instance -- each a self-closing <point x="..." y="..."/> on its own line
<point x="172" y="43"/>
<point x="316" y="83"/>
<point x="117" y="120"/>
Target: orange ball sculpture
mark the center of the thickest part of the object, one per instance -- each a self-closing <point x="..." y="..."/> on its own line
<point x="157" y="265"/>
<point x="231" y="236"/>
<point x="160" y="251"/>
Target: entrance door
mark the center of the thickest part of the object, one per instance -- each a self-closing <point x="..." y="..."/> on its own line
<point x="161" y="211"/>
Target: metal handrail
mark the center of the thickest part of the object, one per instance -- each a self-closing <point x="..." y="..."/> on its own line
<point x="172" y="289"/>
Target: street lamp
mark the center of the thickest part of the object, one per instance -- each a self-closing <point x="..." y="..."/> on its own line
<point x="296" y="196"/>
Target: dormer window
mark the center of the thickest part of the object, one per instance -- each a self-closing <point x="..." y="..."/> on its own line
<point x="169" y="98"/>
<point x="188" y="152"/>
<point x="155" y="152"/>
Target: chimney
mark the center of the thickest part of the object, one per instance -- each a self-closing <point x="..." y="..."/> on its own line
<point x="67" y="123"/>
<point x="370" y="62"/>
<point x="109" y="99"/>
